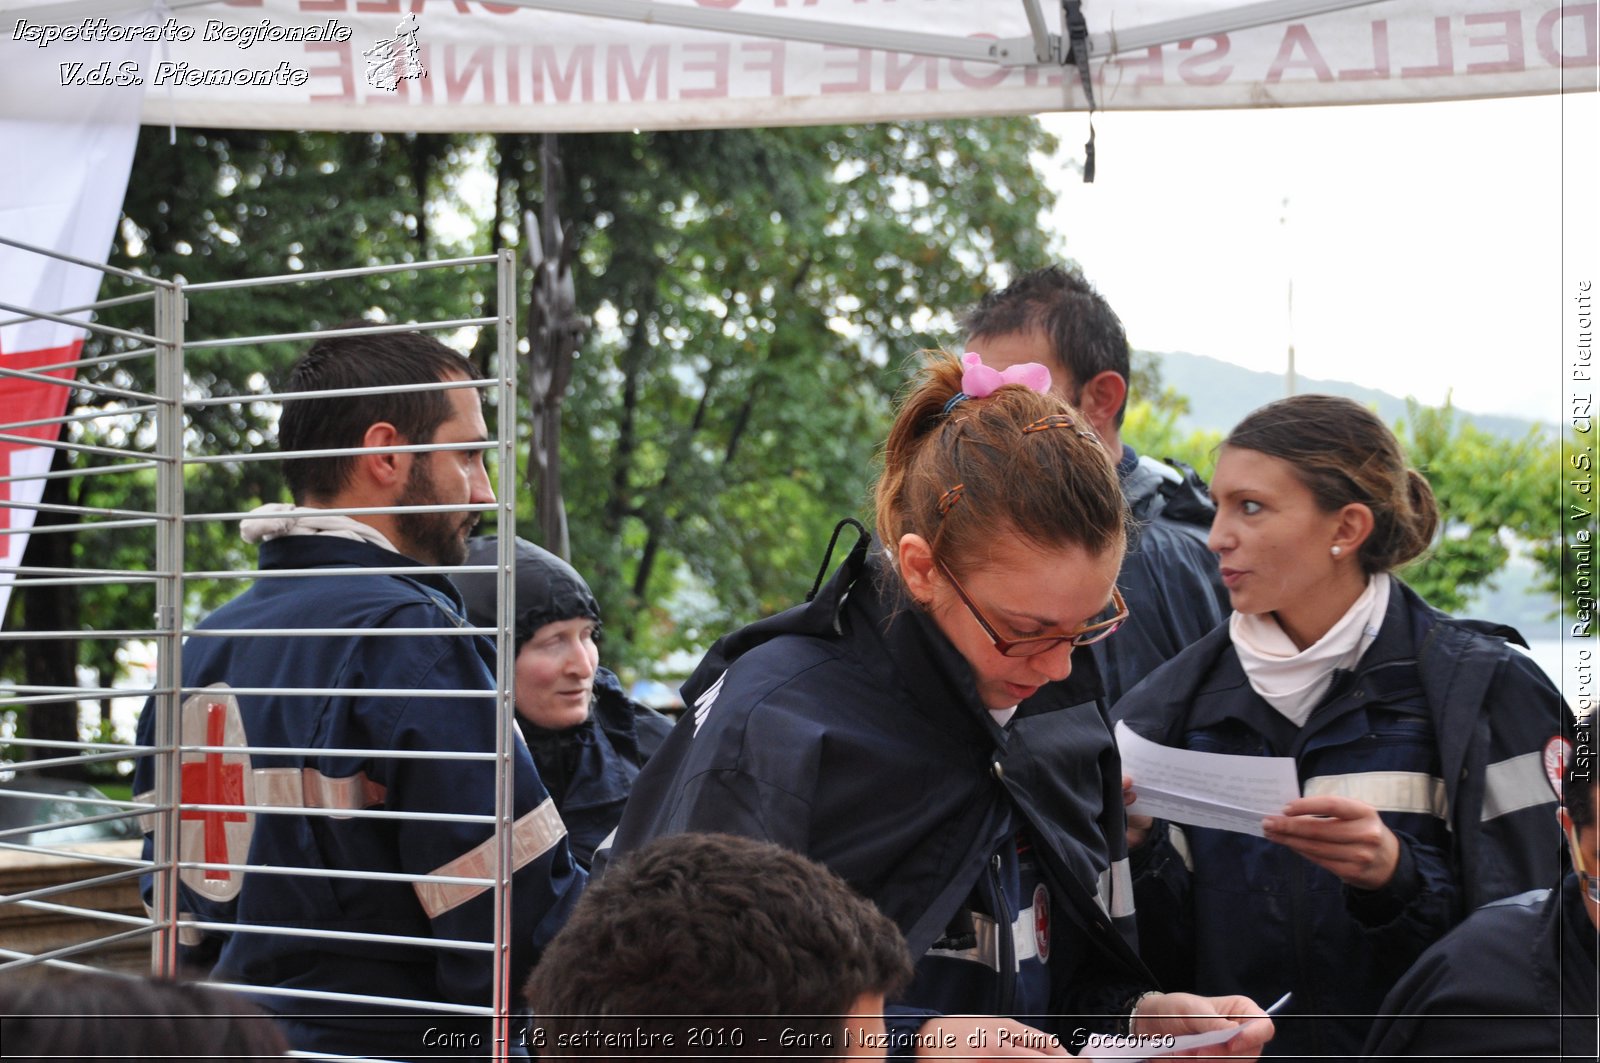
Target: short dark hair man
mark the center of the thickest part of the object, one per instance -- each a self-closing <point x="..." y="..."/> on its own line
<point x="306" y="692"/>
<point x="1169" y="578"/>
<point x="1517" y="979"/>
<point x="711" y="945"/>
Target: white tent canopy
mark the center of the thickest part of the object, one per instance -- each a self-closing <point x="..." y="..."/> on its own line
<point x="593" y="65"/>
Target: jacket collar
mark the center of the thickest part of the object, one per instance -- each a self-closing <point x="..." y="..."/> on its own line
<point x="862" y="601"/>
<point x="326" y="551"/>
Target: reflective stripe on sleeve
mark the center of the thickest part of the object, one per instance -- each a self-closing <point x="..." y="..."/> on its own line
<point x="309" y="788"/>
<point x="532" y="836"/>
<point x="1387" y="791"/>
<point x="1114" y="891"/>
<point x="1514" y="784"/>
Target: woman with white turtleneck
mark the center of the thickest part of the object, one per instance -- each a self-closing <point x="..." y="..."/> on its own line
<point x="1416" y="738"/>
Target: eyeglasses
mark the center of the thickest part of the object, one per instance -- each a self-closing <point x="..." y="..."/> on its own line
<point x="1028" y="647"/>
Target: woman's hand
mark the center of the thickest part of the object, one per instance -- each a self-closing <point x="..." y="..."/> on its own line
<point x="1176" y="1014"/>
<point x="1341" y="834"/>
<point x="1138" y="826"/>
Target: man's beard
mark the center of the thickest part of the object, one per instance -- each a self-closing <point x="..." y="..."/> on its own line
<point x="432" y="538"/>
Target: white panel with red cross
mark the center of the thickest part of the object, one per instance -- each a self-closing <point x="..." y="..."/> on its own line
<point x="214" y="836"/>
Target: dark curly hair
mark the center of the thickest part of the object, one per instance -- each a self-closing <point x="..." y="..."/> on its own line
<point x="694" y="926"/>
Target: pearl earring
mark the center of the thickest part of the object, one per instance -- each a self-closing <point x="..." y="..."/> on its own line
<point x="1337" y="550"/>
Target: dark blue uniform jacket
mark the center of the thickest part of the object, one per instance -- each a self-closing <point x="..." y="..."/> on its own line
<point x="546" y="881"/>
<point x="1515" y="981"/>
<point x="1440" y="726"/>
<point x="1169" y="577"/>
<point x="849" y="729"/>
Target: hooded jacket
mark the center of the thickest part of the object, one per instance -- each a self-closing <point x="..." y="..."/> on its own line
<point x="849" y="729"/>
<point x="1515" y="981"/>
<point x="589" y="768"/>
<point x="1440" y="726"/>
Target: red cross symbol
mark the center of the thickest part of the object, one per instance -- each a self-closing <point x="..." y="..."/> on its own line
<point x="213" y="782"/>
<point x="30" y="400"/>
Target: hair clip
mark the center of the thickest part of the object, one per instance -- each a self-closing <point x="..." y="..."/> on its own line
<point x="1059" y="420"/>
<point x="950" y="498"/>
<point x="979" y="381"/>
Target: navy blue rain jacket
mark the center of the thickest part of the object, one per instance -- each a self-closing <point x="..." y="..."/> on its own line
<point x="849" y="730"/>
<point x="544" y="886"/>
<point x="1169" y="578"/>
<point x="1440" y="726"/>
<point x="1515" y="981"/>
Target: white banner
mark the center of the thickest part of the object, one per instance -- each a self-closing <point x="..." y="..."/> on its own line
<point x="61" y="188"/>
<point x="454" y="64"/>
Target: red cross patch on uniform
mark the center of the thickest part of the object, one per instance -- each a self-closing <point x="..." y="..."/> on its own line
<point x="1557" y="755"/>
<point x="1041" y="922"/>
<point x="212" y="834"/>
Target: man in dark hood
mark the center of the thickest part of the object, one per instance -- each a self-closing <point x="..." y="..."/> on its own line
<point x="588" y="738"/>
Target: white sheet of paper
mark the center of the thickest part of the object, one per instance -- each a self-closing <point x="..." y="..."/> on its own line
<point x="1205" y="789"/>
<point x="1110" y="1046"/>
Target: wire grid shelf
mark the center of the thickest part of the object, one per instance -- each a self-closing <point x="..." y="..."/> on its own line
<point x="113" y="431"/>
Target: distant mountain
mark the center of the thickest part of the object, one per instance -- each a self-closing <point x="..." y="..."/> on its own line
<point x="1221" y="394"/>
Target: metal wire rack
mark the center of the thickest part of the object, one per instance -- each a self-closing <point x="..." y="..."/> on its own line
<point x="153" y="434"/>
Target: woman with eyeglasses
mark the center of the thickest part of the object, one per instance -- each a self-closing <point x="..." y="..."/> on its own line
<point x="1416" y="739"/>
<point x="920" y="728"/>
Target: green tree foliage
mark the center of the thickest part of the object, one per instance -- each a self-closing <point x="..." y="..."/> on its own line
<point x="1565" y="557"/>
<point x="1152" y="428"/>
<point x="224" y="206"/>
<point x="1487" y="489"/>
<point x="756" y="295"/>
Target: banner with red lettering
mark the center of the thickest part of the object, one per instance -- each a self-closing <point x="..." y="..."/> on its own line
<point x="531" y="65"/>
<point x="61" y="185"/>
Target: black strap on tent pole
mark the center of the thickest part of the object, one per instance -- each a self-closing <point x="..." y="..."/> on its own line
<point x="1078" y="55"/>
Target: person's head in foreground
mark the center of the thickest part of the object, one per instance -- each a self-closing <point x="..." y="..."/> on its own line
<point x="406" y="416"/>
<point x="1313" y="499"/>
<point x="715" y="945"/>
<point x="79" y="1016"/>
<point x="557" y="623"/>
<point x="1005" y="520"/>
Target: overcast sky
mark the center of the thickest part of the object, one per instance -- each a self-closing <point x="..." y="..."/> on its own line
<point x="1424" y="240"/>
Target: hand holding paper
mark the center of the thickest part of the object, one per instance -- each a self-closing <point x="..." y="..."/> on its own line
<point x="1205" y="789"/>
<point x="1161" y="1035"/>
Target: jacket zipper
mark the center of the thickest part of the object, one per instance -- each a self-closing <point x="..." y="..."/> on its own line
<point x="1004" y="919"/>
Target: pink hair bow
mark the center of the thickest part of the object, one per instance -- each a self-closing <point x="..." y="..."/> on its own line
<point x="979" y="381"/>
